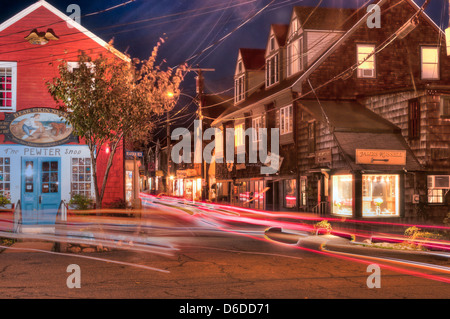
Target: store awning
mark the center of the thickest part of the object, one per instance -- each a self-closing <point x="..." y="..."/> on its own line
<point x="358" y="130"/>
<point x="387" y="145"/>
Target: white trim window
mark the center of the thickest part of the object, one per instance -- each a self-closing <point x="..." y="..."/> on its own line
<point x="8" y="86"/>
<point x="272" y="70"/>
<point x="286" y="120"/>
<point x="239" y="89"/>
<point x="438" y="186"/>
<point x="295" y="26"/>
<point x="429" y="63"/>
<point x="256" y="125"/>
<point x="367" y="68"/>
<point x="295" y="57"/>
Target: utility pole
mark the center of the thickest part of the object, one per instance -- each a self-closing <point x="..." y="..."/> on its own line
<point x="168" y="151"/>
<point x="200" y="87"/>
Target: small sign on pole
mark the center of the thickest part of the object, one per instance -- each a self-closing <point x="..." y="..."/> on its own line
<point x="135" y="154"/>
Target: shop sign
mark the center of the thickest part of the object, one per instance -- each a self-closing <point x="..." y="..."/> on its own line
<point x="159" y="173"/>
<point x="134" y="154"/>
<point x="37" y="127"/>
<point x="240" y="166"/>
<point x="181" y="174"/>
<point x="192" y="172"/>
<point x="323" y="156"/>
<point x="381" y="157"/>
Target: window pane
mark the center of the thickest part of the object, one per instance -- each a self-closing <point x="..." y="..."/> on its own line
<point x="342" y="195"/>
<point x="430" y="55"/>
<point x="381" y="195"/>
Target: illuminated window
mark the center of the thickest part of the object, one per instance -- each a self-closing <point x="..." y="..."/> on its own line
<point x="303" y="191"/>
<point x="367" y="68"/>
<point x="239" y="135"/>
<point x="342" y="195"/>
<point x="8" y="86"/>
<point x="81" y="176"/>
<point x="381" y="195"/>
<point x="430" y="63"/>
<point x="295" y="57"/>
<point x="290" y="193"/>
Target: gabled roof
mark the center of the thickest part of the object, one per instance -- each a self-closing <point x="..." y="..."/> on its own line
<point x="356" y="127"/>
<point x="253" y="59"/>
<point x="319" y="18"/>
<point x="67" y="19"/>
<point x="280" y="31"/>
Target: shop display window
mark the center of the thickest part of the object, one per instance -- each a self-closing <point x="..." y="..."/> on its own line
<point x="81" y="179"/>
<point x="380" y="195"/>
<point x="342" y="195"/>
<point x="290" y="193"/>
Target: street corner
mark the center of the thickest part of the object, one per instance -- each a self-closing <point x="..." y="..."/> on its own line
<point x="324" y="242"/>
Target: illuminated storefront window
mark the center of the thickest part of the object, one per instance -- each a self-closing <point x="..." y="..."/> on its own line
<point x="342" y="195"/>
<point x="380" y="195"/>
<point x="290" y="190"/>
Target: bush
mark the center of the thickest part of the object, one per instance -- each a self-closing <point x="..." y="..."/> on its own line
<point x="413" y="233"/>
<point x="325" y="225"/>
<point x="81" y="202"/>
<point x="4" y="199"/>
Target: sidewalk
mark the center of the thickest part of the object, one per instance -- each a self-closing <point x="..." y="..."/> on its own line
<point x="29" y="246"/>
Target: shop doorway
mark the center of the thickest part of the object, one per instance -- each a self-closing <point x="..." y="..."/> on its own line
<point x="41" y="190"/>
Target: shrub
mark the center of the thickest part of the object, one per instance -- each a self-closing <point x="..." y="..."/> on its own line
<point x="4" y="199"/>
<point x="81" y="202"/>
<point x="324" y="224"/>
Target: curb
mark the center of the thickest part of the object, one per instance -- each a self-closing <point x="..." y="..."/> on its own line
<point x="334" y="243"/>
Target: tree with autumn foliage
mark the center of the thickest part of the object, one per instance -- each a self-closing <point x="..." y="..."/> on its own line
<point x="108" y="98"/>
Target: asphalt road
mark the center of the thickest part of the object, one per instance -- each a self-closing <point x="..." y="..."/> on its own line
<point x="214" y="267"/>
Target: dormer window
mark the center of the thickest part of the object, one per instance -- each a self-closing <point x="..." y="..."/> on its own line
<point x="295" y="57"/>
<point x="366" y="61"/>
<point x="295" y="26"/>
<point x="272" y="44"/>
<point x="239" y="89"/>
<point x="272" y="70"/>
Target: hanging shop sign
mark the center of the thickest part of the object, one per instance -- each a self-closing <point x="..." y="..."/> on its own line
<point x="37" y="127"/>
<point x="323" y="156"/>
<point x="381" y="157"/>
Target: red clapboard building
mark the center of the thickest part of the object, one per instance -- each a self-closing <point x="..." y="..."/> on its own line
<point x="41" y="162"/>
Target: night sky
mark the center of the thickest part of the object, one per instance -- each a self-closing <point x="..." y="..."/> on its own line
<point x="190" y="26"/>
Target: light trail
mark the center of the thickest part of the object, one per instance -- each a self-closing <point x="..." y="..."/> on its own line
<point x="88" y="257"/>
<point x="344" y="256"/>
